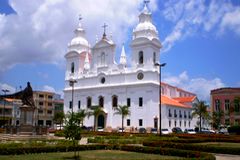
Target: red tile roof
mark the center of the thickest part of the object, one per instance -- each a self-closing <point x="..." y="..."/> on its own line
<point x="169" y="101"/>
<point x="185" y="99"/>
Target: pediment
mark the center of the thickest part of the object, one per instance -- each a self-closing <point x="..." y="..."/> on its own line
<point x="104" y="43"/>
<point x="71" y="54"/>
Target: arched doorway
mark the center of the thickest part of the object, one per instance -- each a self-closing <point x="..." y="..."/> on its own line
<point x="101" y="121"/>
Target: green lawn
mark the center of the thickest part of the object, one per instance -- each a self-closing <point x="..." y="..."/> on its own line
<point x="89" y="155"/>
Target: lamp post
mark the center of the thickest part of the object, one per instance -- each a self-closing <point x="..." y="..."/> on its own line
<point x="71" y="83"/>
<point x="160" y="90"/>
<point x="5" y="91"/>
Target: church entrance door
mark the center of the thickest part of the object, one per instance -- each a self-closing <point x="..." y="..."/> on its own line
<point x="101" y="121"/>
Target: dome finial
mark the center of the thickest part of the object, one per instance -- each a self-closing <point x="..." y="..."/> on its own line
<point x="145" y="9"/>
<point x="80" y="18"/>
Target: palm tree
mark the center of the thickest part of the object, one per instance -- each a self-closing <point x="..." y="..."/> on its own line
<point x="95" y="111"/>
<point x="123" y="111"/>
<point x="58" y="118"/>
<point x="200" y="109"/>
<point x="80" y="116"/>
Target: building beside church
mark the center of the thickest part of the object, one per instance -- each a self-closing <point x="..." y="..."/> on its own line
<point x="227" y="100"/>
<point x="101" y="81"/>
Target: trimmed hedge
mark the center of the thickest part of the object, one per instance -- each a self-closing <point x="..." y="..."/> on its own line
<point x="142" y="149"/>
<point x="202" y="148"/>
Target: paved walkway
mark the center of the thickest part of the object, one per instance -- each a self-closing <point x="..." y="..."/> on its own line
<point x="227" y="157"/>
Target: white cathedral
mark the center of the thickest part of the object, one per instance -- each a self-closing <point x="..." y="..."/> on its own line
<point x="100" y="80"/>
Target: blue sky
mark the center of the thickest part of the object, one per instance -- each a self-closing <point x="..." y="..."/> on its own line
<point x="201" y="39"/>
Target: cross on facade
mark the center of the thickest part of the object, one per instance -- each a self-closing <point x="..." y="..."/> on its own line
<point x="104" y="30"/>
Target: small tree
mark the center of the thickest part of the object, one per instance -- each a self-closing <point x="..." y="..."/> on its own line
<point x="72" y="130"/>
<point x="95" y="111"/>
<point x="216" y="119"/>
<point x="123" y="111"/>
<point x="200" y="110"/>
<point x="59" y="118"/>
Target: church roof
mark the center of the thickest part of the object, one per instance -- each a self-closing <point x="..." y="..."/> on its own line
<point x="185" y="99"/>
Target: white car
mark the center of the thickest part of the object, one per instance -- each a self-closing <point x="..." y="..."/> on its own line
<point x="100" y="129"/>
<point x="164" y="131"/>
<point x="190" y="131"/>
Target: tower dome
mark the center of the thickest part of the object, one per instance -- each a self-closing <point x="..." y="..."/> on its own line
<point x="145" y="28"/>
<point x="79" y="42"/>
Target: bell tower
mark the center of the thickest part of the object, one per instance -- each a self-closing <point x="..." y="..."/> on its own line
<point x="145" y="43"/>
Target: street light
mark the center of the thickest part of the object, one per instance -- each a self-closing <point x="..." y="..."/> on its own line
<point x="5" y="91"/>
<point x="160" y="90"/>
<point x="71" y="83"/>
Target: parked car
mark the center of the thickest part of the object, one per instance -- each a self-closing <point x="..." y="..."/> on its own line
<point x="142" y="130"/>
<point x="121" y="130"/>
<point x="154" y="130"/>
<point x="177" y="130"/>
<point x="189" y="131"/>
<point x="100" y="129"/>
<point x="164" y="131"/>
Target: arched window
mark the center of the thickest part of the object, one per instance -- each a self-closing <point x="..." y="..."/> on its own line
<point x="89" y="102"/>
<point x="114" y="101"/>
<point x="72" y="67"/>
<point x="154" y="57"/>
<point x="140" y="57"/>
<point x="101" y="101"/>
<point x="102" y="59"/>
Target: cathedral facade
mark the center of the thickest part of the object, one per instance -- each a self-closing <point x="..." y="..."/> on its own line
<point x="98" y="80"/>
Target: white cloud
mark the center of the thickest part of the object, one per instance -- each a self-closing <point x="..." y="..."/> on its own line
<point x="201" y="16"/>
<point x="199" y="86"/>
<point x="40" y="30"/>
<point x="48" y="88"/>
<point x="8" y="87"/>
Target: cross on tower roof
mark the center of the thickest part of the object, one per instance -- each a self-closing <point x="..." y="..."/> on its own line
<point x="80" y="17"/>
<point x="146" y="1"/>
<point x="104" y="30"/>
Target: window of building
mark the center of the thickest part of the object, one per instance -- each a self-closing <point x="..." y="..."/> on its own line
<point x="49" y="104"/>
<point x="128" y="122"/>
<point x="48" y="122"/>
<point x="185" y="124"/>
<point x="40" y="122"/>
<point x="40" y="103"/>
<point x="140" y="101"/>
<point x="140" y="122"/>
<point x="227" y="105"/>
<point x="50" y="97"/>
<point x="169" y="123"/>
<point x="180" y="114"/>
<point x="180" y="123"/>
<point x="169" y="113"/>
<point x="41" y="96"/>
<point x="72" y="67"/>
<point x="185" y="116"/>
<point x="101" y="101"/>
<point x="89" y="102"/>
<point x="189" y="115"/>
<point x="70" y="104"/>
<point x="189" y="123"/>
<point x="79" y="104"/>
<point x="102" y="59"/>
<point x="236" y="107"/>
<point x="40" y="111"/>
<point x="49" y="111"/>
<point x="114" y="101"/>
<point x="128" y="102"/>
<point x="175" y="123"/>
<point x="217" y="105"/>
<point x="175" y="113"/>
<point x="154" y="57"/>
<point x="140" y="57"/>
